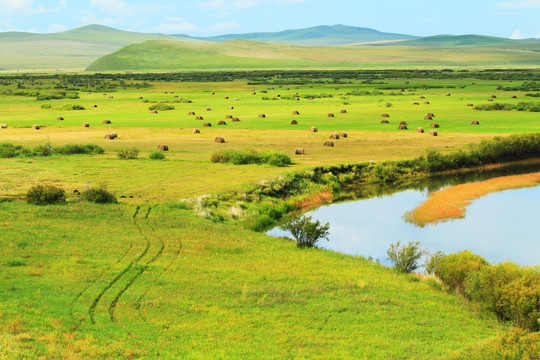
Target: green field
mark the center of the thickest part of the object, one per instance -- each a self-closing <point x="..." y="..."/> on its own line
<point x="81" y="280"/>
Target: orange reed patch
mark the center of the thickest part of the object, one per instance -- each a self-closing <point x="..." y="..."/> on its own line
<point x="315" y="200"/>
<point x="450" y="203"/>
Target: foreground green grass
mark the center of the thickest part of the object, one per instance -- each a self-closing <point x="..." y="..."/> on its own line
<point x="190" y="288"/>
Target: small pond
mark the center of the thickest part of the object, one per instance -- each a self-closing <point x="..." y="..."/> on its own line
<point x="500" y="226"/>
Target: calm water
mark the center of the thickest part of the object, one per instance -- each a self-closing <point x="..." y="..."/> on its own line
<point x="501" y="226"/>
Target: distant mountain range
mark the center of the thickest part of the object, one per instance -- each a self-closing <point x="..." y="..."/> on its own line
<point x="78" y="48"/>
<point x="320" y="35"/>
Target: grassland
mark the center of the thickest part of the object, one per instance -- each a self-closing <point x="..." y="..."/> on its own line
<point x="244" y="54"/>
<point x="115" y="281"/>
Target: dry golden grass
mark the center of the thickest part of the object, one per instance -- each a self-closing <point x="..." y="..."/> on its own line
<point x="451" y="203"/>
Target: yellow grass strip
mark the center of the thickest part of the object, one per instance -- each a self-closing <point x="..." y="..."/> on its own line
<point x="450" y="203"/>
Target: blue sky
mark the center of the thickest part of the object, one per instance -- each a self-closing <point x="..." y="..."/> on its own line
<point x="505" y="18"/>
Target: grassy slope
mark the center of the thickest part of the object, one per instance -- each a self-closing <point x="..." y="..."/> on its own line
<point x="73" y="49"/>
<point x="214" y="291"/>
<point x="319" y="35"/>
<point x="165" y="55"/>
<point x="457" y="40"/>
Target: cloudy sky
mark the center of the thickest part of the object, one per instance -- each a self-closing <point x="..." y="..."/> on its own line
<point x="505" y="18"/>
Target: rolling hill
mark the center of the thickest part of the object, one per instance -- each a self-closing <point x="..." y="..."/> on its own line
<point x="73" y="49"/>
<point x="247" y="54"/>
<point x="454" y="40"/>
<point x="319" y="35"/>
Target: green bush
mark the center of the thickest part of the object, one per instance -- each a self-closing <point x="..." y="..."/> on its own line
<point x="45" y="195"/>
<point x="73" y="107"/>
<point x="306" y="232"/>
<point x="70" y="149"/>
<point x="46" y="106"/>
<point x="99" y="195"/>
<point x="157" y="155"/>
<point x="405" y="257"/>
<point x="238" y="157"/>
<point x="510" y="291"/>
<point x="10" y="151"/>
<point x="127" y="154"/>
<point x="454" y="269"/>
<point x="432" y="262"/>
<point x="161" y="107"/>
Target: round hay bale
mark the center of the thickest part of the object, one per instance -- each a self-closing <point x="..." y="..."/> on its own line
<point x="490" y="99"/>
<point x="228" y="117"/>
<point x="207" y="125"/>
<point x="165" y="92"/>
<point x="60" y="118"/>
<point x="385" y="115"/>
<point x="236" y="99"/>
<point x="434" y="126"/>
<point x="209" y="109"/>
<point x="330" y="115"/>
<point x="226" y="97"/>
<point x="402" y="127"/>
<point x="416" y="103"/>
<point x="262" y="116"/>
<point x="140" y="98"/>
<point x="343" y="134"/>
<point x="295" y="112"/>
<point x="475" y="122"/>
<point x="385" y="122"/>
<point x="294" y="122"/>
<point x="419" y="130"/>
<point x="111" y="97"/>
<point x="426" y="103"/>
<point x="3" y="126"/>
<point x="111" y="136"/>
<point x="431" y="115"/>
<point x="191" y="113"/>
<point x="328" y="143"/>
<point x="422" y="97"/>
<point x="470" y="104"/>
<point x="299" y="151"/>
<point x="403" y="123"/>
<point x="313" y="129"/>
<point x="212" y="93"/>
<point x="222" y="123"/>
<point x="199" y="118"/>
<point x="448" y="94"/>
<point x="94" y="106"/>
<point x="154" y="112"/>
<point x="428" y="117"/>
<point x="230" y="107"/>
<point x="433" y="133"/>
<point x="35" y="127"/>
<point x="343" y="111"/>
<point x="195" y="131"/>
<point x="514" y="97"/>
<point x="85" y="125"/>
<point x="235" y="119"/>
<point x="334" y="136"/>
<point x="163" y="147"/>
<point x="106" y="121"/>
<point x="493" y="96"/>
<point x="220" y="140"/>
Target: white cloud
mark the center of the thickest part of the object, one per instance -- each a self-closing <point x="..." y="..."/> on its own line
<point x="225" y="27"/>
<point x="521" y="4"/>
<point x="516" y="35"/>
<point x="226" y="5"/>
<point x="177" y="28"/>
<point x="63" y="3"/>
<point x="58" y="28"/>
<point x="115" y="7"/>
<point x="537" y="36"/>
<point x="21" y="6"/>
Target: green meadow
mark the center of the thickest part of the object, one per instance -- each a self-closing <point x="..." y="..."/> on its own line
<point x="148" y="278"/>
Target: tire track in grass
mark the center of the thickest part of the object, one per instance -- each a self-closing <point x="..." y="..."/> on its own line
<point x="95" y="302"/>
<point x="141" y="269"/>
<point x="100" y="276"/>
<point x="176" y="254"/>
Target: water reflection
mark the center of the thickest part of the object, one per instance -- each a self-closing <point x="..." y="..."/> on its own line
<point x="501" y="226"/>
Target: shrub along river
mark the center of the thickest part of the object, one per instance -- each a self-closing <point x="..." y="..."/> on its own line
<point x="500" y="226"/>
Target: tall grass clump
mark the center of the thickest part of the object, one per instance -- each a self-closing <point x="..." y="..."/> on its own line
<point x="127" y="154"/>
<point x="157" y="155"/>
<point x="161" y="107"/>
<point x="73" y="107"/>
<point x="45" y="195"/>
<point x="238" y="157"/>
<point x="99" y="195"/>
<point x="71" y="149"/>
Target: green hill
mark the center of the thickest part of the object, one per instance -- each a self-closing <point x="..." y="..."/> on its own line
<point x="456" y="40"/>
<point x="73" y="49"/>
<point x="245" y="54"/>
<point x="319" y="35"/>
